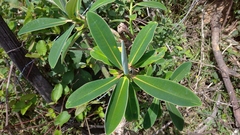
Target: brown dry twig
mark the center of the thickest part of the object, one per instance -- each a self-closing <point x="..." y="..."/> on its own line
<point x="224" y="70"/>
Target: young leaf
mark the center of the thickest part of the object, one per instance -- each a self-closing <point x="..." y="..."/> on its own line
<point x="104" y="38"/>
<point x="100" y="3"/>
<point x="41" y="23"/>
<point x="181" y="71"/>
<point x="62" y="118"/>
<point x="132" y="111"/>
<point x="57" y="92"/>
<point x="97" y="54"/>
<point x="117" y="105"/>
<point x="151" y="114"/>
<point x="89" y="91"/>
<point x="152" y="4"/>
<point x="41" y="47"/>
<point x="141" y="42"/>
<point x="57" y="47"/>
<point x="124" y="58"/>
<point x="175" y="115"/>
<point x="71" y="8"/>
<point x="167" y="90"/>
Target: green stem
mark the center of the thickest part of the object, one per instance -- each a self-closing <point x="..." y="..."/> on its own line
<point x="130" y="13"/>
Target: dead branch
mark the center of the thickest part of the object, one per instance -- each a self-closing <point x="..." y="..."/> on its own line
<point x="224" y="70"/>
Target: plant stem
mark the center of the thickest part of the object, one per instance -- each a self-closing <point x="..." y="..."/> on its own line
<point x="130" y="14"/>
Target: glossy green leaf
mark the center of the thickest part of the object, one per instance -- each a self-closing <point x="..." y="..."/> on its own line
<point x="41" y="47"/>
<point x="104" y="38"/>
<point x="167" y="90"/>
<point x="175" y="115"/>
<point x="117" y="105"/>
<point x="60" y="4"/>
<point x="58" y="46"/>
<point x="71" y="8"/>
<point x="141" y="42"/>
<point x="151" y="115"/>
<point x="89" y="91"/>
<point x="152" y="4"/>
<point x="41" y="23"/>
<point x="124" y="58"/>
<point x="151" y="57"/>
<point x="62" y="118"/>
<point x="57" y="92"/>
<point x="97" y="54"/>
<point x="181" y="71"/>
<point x="69" y="43"/>
<point x="132" y="111"/>
<point x="100" y="3"/>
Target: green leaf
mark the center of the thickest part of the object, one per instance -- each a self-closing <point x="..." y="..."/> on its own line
<point x="132" y="111"/>
<point x="68" y="77"/>
<point x="57" y="132"/>
<point x="104" y="38"/>
<point x="151" y="57"/>
<point x="181" y="71"/>
<point x="176" y="116"/>
<point x="124" y="58"/>
<point x="80" y="109"/>
<point x="89" y="91"/>
<point x="141" y="42"/>
<point x="167" y="91"/>
<point x="41" y="23"/>
<point x="57" y="92"/>
<point x="69" y="43"/>
<point x="62" y="118"/>
<point x="71" y="8"/>
<point x="41" y="47"/>
<point x="151" y="114"/>
<point x="97" y="54"/>
<point x="152" y="4"/>
<point x="60" y="4"/>
<point x="58" y="46"/>
<point x="100" y="3"/>
<point x="117" y="105"/>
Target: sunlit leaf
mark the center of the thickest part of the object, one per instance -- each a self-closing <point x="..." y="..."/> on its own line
<point x="117" y="105"/>
<point x="100" y="3"/>
<point x="41" y="47"/>
<point x="141" y="42"/>
<point x="104" y="38"/>
<point x="175" y="115"/>
<point x="152" y="113"/>
<point x="41" y="23"/>
<point x="62" y="118"/>
<point x="59" y="3"/>
<point x="167" y="91"/>
<point x="181" y="71"/>
<point x="71" y="8"/>
<point x="89" y="91"/>
<point x="57" y="47"/>
<point x="57" y="92"/>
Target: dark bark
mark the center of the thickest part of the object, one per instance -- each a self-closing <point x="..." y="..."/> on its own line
<point x="16" y="52"/>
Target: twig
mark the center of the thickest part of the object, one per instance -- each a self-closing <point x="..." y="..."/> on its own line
<point x="89" y="132"/>
<point x="215" y="27"/>
<point x="229" y="8"/>
<point x="8" y="82"/>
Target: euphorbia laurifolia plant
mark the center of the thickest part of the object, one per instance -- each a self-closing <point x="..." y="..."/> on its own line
<point x="124" y="63"/>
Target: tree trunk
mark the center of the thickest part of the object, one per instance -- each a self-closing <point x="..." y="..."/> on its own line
<point x="16" y="52"/>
